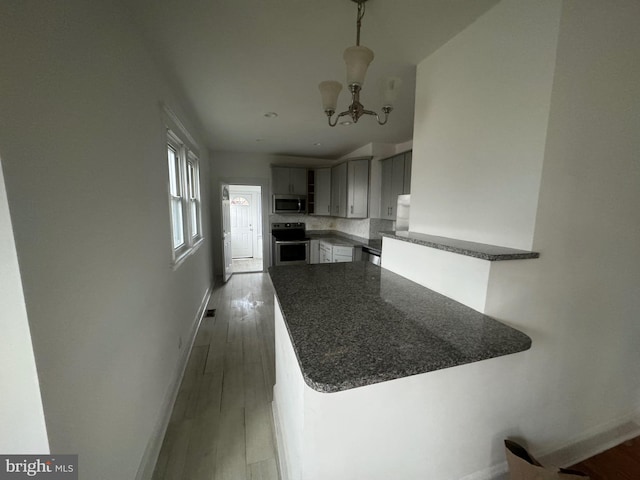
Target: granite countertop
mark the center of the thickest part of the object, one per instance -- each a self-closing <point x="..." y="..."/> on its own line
<point x="462" y="247"/>
<point x="356" y="324"/>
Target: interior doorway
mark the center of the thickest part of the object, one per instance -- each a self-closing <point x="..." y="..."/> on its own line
<point x="245" y="203"/>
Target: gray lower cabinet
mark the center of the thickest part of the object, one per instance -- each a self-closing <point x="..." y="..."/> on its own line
<point x="396" y="180"/>
<point x="291" y="180"/>
<point x="322" y="191"/>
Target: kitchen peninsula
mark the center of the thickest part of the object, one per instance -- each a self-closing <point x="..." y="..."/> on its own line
<point x="364" y="387"/>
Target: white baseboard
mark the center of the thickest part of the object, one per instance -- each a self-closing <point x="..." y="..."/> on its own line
<point x="280" y="446"/>
<point x="592" y="442"/>
<point x="151" y="453"/>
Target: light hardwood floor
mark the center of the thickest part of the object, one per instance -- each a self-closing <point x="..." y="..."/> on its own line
<point x="221" y="426"/>
<point x="243" y="265"/>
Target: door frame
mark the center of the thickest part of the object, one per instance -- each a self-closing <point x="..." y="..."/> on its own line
<point x="255" y="214"/>
<point x="263" y="183"/>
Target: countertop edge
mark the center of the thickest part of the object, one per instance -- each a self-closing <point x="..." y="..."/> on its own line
<point x="509" y="254"/>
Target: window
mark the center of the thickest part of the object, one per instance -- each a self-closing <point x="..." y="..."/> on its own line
<point x="240" y="201"/>
<point x="184" y="197"/>
<point x="193" y="187"/>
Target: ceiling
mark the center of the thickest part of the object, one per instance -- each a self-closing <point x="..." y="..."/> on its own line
<point x="235" y="60"/>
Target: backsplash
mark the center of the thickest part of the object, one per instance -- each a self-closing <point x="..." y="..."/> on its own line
<point x="365" y="228"/>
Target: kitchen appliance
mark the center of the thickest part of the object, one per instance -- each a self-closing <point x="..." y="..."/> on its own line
<point x="290" y="244"/>
<point x="402" y="212"/>
<point x="287" y="204"/>
<point x="371" y="256"/>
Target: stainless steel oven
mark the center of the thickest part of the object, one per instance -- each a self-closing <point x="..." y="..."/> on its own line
<point x="290" y="246"/>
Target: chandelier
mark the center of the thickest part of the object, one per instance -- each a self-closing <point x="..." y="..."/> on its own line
<point x="357" y="59"/>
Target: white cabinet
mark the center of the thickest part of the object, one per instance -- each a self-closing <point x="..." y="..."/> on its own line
<point x="330" y="253"/>
<point x="314" y="251"/>
<point x="342" y="253"/>
<point x="322" y="187"/>
<point x="325" y="251"/>
<point x="339" y="190"/>
<point x="396" y="180"/>
<point x="289" y="180"/>
<point x="358" y="188"/>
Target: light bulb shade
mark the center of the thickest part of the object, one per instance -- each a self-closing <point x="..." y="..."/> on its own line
<point x="357" y="59"/>
<point x="390" y="89"/>
<point x="330" y="89"/>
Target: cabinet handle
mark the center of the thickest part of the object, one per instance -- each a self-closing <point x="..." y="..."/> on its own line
<point x="351" y="208"/>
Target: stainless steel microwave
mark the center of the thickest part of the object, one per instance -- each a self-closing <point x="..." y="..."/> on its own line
<point x="289" y="204"/>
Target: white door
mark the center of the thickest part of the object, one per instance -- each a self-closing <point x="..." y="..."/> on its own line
<point x="227" y="267"/>
<point x="242" y="225"/>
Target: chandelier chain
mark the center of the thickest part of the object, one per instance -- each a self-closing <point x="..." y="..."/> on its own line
<point x="361" y="9"/>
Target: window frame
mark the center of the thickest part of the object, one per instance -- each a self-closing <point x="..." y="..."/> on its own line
<point x="186" y="181"/>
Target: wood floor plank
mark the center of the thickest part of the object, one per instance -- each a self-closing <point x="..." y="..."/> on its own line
<point x="619" y="463"/>
<point x="259" y="433"/>
<point x="256" y="391"/>
<point x="177" y="450"/>
<point x="200" y="459"/>
<point x="215" y="353"/>
<point x="232" y="389"/>
<point x="231" y="453"/>
<point x="221" y="426"/>
<point x="195" y="366"/>
<point x="210" y="393"/>
<point x="265" y="470"/>
<point x="203" y="337"/>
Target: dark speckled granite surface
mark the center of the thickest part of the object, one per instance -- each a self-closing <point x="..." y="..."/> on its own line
<point x="356" y="324"/>
<point x="463" y="247"/>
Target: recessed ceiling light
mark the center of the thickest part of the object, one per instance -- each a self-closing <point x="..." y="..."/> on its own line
<point x="317" y="144"/>
<point x="346" y="123"/>
<point x="271" y="114"/>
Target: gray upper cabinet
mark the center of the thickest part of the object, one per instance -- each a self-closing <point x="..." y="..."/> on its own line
<point x="358" y="188"/>
<point x="350" y="189"/>
<point x="323" y="191"/>
<point x="289" y="180"/>
<point x="396" y="180"/>
<point x="407" y="172"/>
<point x="339" y="190"/>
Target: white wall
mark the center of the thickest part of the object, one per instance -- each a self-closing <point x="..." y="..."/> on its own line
<point x="21" y="413"/>
<point x="482" y="105"/>
<point x="580" y="301"/>
<point x="82" y="145"/>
